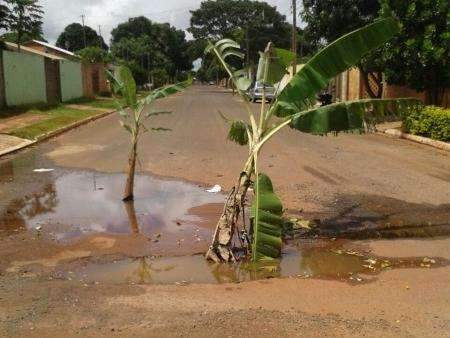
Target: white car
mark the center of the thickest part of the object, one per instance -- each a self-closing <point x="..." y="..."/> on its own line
<point x="256" y="92"/>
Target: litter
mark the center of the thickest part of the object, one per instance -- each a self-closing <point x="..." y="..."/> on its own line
<point x="43" y="170"/>
<point x="214" y="190"/>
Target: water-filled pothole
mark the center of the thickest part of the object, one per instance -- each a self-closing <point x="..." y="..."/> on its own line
<point x="312" y="259"/>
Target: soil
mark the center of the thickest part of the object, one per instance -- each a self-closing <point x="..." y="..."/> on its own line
<point x="344" y="181"/>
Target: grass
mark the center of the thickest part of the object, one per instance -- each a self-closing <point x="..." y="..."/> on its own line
<point x="107" y="103"/>
<point x="54" y="119"/>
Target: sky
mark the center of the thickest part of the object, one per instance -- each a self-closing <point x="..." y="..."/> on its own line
<point x="109" y="13"/>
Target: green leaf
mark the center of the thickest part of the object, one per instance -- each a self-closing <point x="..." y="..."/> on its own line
<point x="277" y="63"/>
<point x="127" y="85"/>
<point x="356" y="116"/>
<point x="238" y="133"/>
<point x="233" y="53"/>
<point x="340" y="55"/>
<point x="267" y="221"/>
<point x="243" y="83"/>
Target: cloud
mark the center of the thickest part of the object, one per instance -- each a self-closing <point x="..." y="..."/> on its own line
<point x="109" y="13"/>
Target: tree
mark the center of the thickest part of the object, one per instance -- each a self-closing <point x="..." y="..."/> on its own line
<point x="133" y="118"/>
<point x="25" y="17"/>
<point x="251" y="23"/>
<point x="294" y="107"/>
<point x="145" y="47"/>
<point x="72" y="38"/>
<point x="94" y="54"/>
<point x="327" y="20"/>
<point x="4" y="16"/>
<point x="419" y="55"/>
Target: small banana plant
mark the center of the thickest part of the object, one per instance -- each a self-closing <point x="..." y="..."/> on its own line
<point x="294" y="106"/>
<point x="134" y="113"/>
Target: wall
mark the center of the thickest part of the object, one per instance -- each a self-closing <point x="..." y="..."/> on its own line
<point x="2" y="83"/>
<point x="94" y="79"/>
<point x="24" y="78"/>
<point x="71" y="80"/>
<point x="52" y="81"/>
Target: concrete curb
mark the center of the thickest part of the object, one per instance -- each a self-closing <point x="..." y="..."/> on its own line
<point x="418" y="139"/>
<point x="44" y="137"/>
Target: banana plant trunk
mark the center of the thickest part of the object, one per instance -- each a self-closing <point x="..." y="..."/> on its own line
<point x="129" y="186"/>
<point x="221" y="249"/>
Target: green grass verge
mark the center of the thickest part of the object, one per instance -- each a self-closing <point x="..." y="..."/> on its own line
<point x="97" y="103"/>
<point x="55" y="119"/>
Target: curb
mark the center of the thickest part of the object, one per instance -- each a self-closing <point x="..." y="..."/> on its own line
<point x="418" y="139"/>
<point x="44" y="137"/>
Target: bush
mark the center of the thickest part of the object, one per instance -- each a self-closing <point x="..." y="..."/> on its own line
<point x="433" y="122"/>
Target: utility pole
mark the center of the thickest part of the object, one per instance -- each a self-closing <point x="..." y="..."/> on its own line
<point x="84" y="30"/>
<point x="294" y="36"/>
<point x="100" y="36"/>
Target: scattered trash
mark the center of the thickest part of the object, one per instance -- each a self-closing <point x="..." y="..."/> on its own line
<point x="39" y="228"/>
<point x="214" y="190"/>
<point x="43" y="170"/>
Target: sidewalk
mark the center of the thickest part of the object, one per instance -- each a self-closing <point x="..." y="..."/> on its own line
<point x="59" y="120"/>
<point x="10" y="143"/>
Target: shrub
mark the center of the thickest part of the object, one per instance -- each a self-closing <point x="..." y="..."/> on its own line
<point x="431" y="121"/>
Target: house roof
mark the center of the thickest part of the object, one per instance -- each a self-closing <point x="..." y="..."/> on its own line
<point x="14" y="47"/>
<point x="45" y="44"/>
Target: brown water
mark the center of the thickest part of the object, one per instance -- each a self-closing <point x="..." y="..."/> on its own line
<point x="313" y="259"/>
<point x="93" y="237"/>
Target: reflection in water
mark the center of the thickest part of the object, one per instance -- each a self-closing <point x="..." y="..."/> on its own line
<point x="328" y="261"/>
<point x="132" y="218"/>
<point x="22" y="212"/>
<point x="80" y="203"/>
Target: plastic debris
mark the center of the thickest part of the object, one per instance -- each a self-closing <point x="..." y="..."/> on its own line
<point x="214" y="190"/>
<point x="43" y="170"/>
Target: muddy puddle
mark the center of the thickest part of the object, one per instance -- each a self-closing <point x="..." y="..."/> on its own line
<point x="76" y="204"/>
<point x="308" y="259"/>
<point x="75" y="227"/>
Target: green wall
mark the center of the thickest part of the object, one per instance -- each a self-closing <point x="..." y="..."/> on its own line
<point x="24" y="76"/>
<point x="71" y="80"/>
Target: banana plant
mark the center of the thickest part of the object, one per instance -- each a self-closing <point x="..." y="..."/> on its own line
<point x="294" y="106"/>
<point x="134" y="114"/>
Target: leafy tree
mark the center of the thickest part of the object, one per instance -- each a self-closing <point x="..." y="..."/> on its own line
<point x="72" y="38"/>
<point x="4" y="15"/>
<point x="145" y="46"/>
<point x="251" y="23"/>
<point x="94" y="54"/>
<point x="419" y="56"/>
<point x="292" y="107"/>
<point x="25" y="17"/>
<point x="133" y="119"/>
<point x="328" y="19"/>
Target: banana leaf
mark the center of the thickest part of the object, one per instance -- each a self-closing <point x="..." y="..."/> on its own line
<point x="267" y="221"/>
<point x="353" y="116"/>
<point x="334" y="59"/>
<point x="124" y="83"/>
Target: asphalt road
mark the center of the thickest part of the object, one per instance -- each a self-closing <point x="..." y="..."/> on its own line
<point x="351" y="177"/>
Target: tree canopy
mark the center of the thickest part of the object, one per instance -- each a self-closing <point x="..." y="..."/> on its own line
<point x="72" y="38"/>
<point x="418" y="57"/>
<point x="327" y="20"/>
<point x="24" y="20"/>
<point x="149" y="48"/>
<point x="251" y="23"/>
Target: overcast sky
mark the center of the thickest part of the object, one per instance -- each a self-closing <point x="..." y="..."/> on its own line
<point x="108" y="13"/>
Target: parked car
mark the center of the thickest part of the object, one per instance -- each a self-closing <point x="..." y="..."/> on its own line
<point x="256" y="92"/>
<point x="211" y="83"/>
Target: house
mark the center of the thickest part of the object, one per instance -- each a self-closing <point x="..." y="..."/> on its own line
<point x="28" y="77"/>
<point x="93" y="79"/>
<point x="47" y="48"/>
